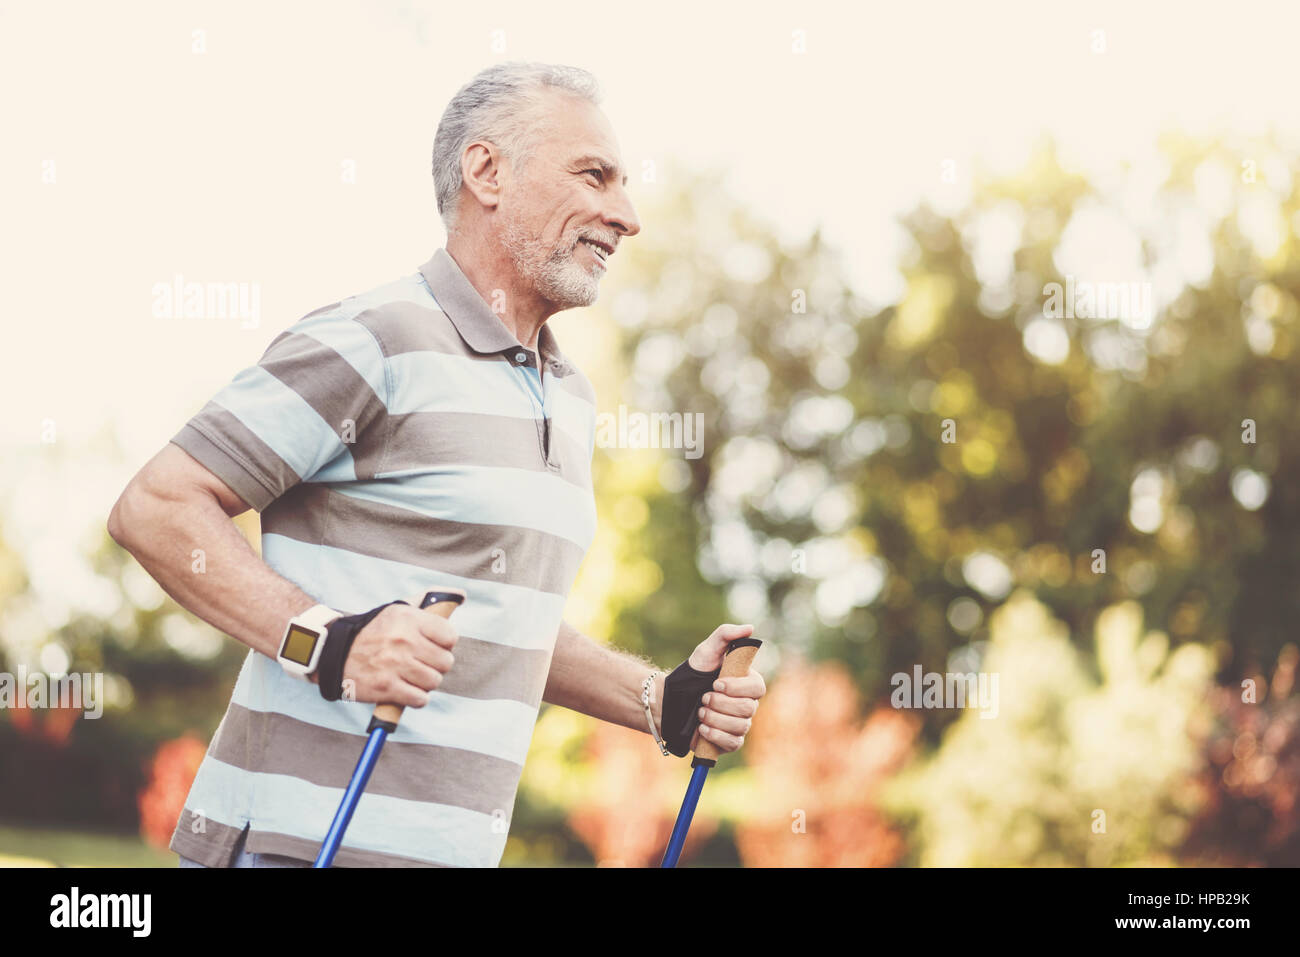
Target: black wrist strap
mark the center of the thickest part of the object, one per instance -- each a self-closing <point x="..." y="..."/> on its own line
<point x="683" y="689"/>
<point x="339" y="636"/>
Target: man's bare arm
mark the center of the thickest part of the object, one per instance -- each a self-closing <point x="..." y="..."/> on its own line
<point x="175" y="505"/>
<point x="589" y="677"/>
<point x="606" y="684"/>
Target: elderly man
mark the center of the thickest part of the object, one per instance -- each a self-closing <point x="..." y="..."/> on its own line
<point x="425" y="433"/>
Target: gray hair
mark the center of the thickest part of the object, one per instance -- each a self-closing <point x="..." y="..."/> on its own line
<point x="497" y="105"/>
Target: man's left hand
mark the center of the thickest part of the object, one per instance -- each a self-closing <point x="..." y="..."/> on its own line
<point x="727" y="711"/>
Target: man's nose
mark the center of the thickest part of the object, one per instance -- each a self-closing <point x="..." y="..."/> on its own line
<point x="621" y="215"/>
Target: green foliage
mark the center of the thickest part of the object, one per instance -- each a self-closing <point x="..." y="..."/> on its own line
<point x="855" y="473"/>
<point x="1073" y="769"/>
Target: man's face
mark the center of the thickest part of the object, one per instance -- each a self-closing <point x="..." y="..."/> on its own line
<point x="569" y="198"/>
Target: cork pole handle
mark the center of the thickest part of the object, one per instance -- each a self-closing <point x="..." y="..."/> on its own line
<point x="735" y="664"/>
<point x="440" y="601"/>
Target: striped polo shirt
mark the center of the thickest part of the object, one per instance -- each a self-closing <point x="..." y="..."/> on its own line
<point x="395" y="441"/>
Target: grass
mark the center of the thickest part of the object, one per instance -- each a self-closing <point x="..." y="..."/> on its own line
<point x="41" y="847"/>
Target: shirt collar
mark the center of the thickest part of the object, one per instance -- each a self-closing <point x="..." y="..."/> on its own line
<point x="477" y="324"/>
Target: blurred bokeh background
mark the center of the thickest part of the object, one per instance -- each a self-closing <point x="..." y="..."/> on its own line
<point x="851" y="221"/>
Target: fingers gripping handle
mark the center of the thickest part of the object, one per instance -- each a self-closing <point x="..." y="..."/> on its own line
<point x="735" y="664"/>
<point x="441" y="601"/>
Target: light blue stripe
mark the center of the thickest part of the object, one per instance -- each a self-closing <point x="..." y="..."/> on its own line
<point x="497" y="727"/>
<point x="341" y="468"/>
<point x="212" y="799"/>
<point x="437" y="833"/>
<point x="284" y="420"/>
<point x="488" y="495"/>
<point x="353" y="342"/>
<point x="427" y="381"/>
<point x="512" y="615"/>
<point x="534" y="380"/>
<point x="208" y="796"/>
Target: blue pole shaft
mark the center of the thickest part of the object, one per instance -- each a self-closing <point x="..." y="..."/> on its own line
<point x="684" y="816"/>
<point x="351" y="796"/>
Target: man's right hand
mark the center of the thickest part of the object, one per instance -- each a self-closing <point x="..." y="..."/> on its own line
<point x="399" y="657"/>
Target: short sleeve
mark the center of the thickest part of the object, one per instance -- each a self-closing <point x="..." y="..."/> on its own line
<point x="314" y="406"/>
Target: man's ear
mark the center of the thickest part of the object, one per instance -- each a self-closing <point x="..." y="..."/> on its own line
<point x="481" y="171"/>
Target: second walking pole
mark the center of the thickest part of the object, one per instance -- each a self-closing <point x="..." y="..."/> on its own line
<point x="735" y="664"/>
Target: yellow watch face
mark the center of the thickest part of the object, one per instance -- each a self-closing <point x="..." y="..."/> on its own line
<point x="299" y="645"/>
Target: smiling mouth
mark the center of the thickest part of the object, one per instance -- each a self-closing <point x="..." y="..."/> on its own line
<point x="602" y="253"/>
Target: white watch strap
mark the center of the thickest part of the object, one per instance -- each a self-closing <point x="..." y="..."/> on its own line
<point x="317" y="617"/>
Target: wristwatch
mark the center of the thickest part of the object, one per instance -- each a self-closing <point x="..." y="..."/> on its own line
<point x="304" y="638"/>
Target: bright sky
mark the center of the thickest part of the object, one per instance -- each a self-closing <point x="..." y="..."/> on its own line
<point x="226" y="165"/>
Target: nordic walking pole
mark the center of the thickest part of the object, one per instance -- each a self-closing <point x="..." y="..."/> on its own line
<point x="735" y="664"/>
<point x="383" y="722"/>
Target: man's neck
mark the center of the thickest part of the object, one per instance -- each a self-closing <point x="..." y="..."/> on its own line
<point x="518" y="308"/>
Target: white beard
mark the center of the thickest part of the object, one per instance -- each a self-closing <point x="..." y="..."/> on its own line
<point x="552" y="270"/>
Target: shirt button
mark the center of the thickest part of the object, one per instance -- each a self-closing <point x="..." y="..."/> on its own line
<point x="520" y="357"/>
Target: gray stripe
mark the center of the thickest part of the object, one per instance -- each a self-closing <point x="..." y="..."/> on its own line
<point x="429" y="773"/>
<point x="288" y="845"/>
<point x="319" y="515"/>
<point x="473" y="438"/>
<point x="212" y="846"/>
<point x="333" y="387"/>
<point x="233" y="453"/>
<point x="403" y="327"/>
<point x="492" y="671"/>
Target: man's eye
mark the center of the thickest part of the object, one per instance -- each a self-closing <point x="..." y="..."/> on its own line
<point x="596" y="173"/>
